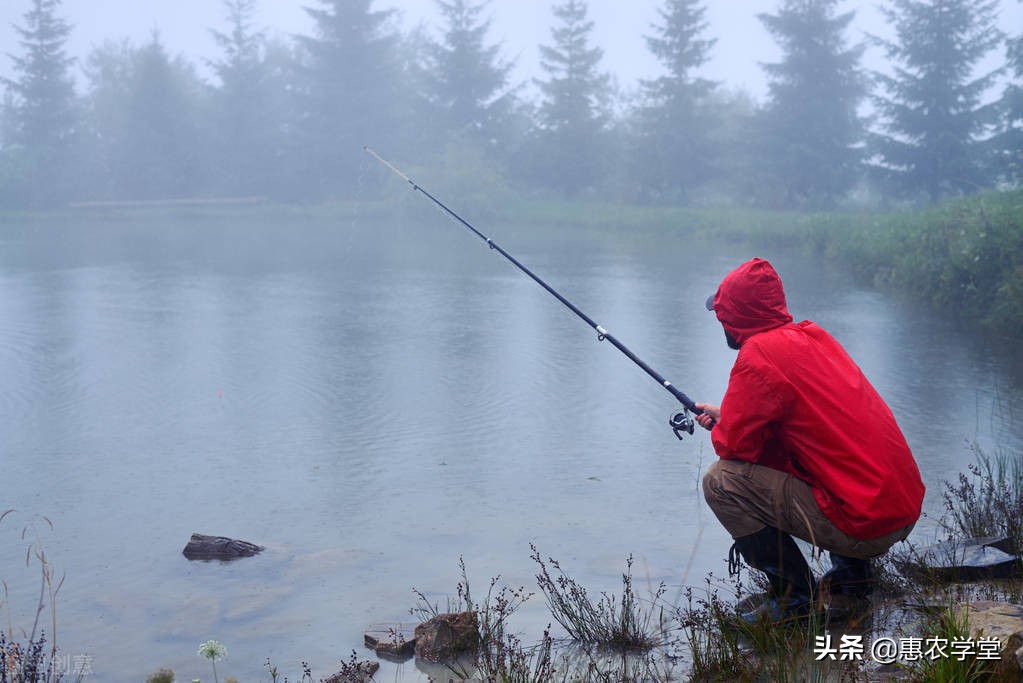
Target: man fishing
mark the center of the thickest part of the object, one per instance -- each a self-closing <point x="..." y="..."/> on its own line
<point x="806" y="448"/>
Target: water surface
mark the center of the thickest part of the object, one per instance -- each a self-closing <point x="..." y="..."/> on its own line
<point x="372" y="400"/>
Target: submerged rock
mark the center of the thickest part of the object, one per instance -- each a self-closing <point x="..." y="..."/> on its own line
<point x="394" y="642"/>
<point x="202" y="547"/>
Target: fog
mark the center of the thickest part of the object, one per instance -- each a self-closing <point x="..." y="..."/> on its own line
<point x="519" y="25"/>
<point x="162" y="100"/>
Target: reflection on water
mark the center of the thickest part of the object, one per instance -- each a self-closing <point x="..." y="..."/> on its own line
<point x="373" y="401"/>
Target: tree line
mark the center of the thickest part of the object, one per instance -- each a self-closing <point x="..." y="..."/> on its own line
<point x="287" y="118"/>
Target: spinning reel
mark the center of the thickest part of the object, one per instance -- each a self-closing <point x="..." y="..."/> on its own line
<point x="682" y="422"/>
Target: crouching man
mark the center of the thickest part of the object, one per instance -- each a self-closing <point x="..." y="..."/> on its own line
<point x="806" y="448"/>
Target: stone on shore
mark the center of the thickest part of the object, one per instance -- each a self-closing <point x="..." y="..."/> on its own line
<point x="1001" y="620"/>
<point x="447" y="636"/>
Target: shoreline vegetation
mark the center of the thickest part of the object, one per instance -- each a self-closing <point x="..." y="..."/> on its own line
<point x="963" y="257"/>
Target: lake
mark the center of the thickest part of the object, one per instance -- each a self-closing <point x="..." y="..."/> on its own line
<point x="372" y="399"/>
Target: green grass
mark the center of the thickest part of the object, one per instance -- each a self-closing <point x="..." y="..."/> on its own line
<point x="950" y="624"/>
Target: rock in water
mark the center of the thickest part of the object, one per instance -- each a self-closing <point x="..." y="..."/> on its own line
<point x="393" y="642"/>
<point x="202" y="547"/>
<point x="970" y="559"/>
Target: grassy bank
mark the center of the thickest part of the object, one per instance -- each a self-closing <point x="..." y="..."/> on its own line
<point x="964" y="258"/>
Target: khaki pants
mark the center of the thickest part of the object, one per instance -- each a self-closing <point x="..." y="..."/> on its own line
<point x="746" y="497"/>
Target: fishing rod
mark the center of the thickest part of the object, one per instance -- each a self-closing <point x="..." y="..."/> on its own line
<point x="679" y="422"/>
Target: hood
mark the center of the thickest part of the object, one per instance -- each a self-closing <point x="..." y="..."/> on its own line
<point x="750" y="300"/>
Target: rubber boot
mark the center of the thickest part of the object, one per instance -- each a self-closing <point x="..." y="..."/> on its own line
<point x="790" y="589"/>
<point x="846" y="589"/>
<point x="848" y="576"/>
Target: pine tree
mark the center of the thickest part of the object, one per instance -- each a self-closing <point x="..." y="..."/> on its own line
<point x="144" y="128"/>
<point x="575" y="107"/>
<point x="1008" y="144"/>
<point x="247" y="119"/>
<point x="934" y="115"/>
<point x="675" y="122"/>
<point x="471" y="81"/>
<point x="810" y="132"/>
<point x="167" y="152"/>
<point x="351" y="92"/>
<point x="41" y="110"/>
<point x="108" y="70"/>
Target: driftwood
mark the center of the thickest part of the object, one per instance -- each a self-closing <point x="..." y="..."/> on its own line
<point x="202" y="547"/>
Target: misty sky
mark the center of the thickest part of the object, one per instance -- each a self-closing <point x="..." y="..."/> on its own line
<point x="520" y="25"/>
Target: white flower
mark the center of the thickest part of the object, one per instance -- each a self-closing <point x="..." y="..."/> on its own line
<point x="213" y="649"/>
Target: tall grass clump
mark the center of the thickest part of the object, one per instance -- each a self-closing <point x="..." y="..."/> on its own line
<point x="31" y="657"/>
<point x="950" y="623"/>
<point x="715" y="649"/>
<point x="615" y="623"/>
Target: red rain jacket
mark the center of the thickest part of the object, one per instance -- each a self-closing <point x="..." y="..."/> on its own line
<point x="798" y="403"/>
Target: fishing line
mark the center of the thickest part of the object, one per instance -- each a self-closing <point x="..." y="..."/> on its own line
<point x="679" y="422"/>
<point x="360" y="185"/>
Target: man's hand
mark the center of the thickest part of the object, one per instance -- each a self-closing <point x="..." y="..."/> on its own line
<point x="709" y="416"/>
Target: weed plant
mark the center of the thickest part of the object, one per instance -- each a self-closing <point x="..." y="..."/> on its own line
<point x="610" y="623"/>
<point x="988" y="501"/>
<point x="348" y="668"/>
<point x="715" y="651"/>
